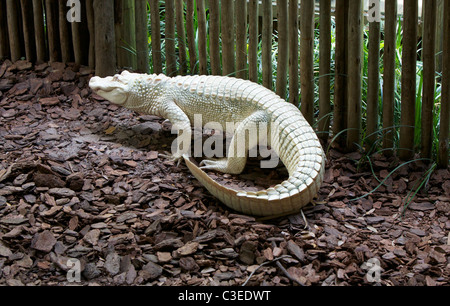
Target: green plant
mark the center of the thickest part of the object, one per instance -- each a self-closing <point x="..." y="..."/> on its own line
<point x="412" y="193"/>
<point x="417" y="187"/>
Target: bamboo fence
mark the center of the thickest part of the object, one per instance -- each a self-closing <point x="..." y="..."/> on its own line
<point x="237" y="40"/>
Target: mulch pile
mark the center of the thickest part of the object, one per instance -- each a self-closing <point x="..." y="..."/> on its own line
<point x="82" y="186"/>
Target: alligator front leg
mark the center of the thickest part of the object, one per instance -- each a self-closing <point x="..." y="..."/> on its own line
<point x="245" y="137"/>
<point x="181" y="125"/>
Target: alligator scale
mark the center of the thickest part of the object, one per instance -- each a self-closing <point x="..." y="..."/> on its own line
<point x="225" y="99"/>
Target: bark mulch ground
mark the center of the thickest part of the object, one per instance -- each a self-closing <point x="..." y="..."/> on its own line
<point x="81" y="185"/>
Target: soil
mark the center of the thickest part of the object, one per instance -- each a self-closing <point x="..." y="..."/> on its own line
<point x="83" y="189"/>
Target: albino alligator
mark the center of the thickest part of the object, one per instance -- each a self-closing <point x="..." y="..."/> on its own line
<point x="224" y="99"/>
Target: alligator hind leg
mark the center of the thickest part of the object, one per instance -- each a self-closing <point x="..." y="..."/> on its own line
<point x="245" y="137"/>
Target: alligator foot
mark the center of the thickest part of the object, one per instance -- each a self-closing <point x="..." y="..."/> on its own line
<point x="177" y="158"/>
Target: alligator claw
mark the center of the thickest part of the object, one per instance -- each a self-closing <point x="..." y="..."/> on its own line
<point x="172" y="157"/>
<point x="216" y="165"/>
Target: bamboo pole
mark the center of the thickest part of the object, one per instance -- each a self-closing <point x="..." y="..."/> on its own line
<point x="190" y="32"/>
<point x="38" y="13"/>
<point x="445" y="98"/>
<point x="267" y="30"/>
<point x="171" y="57"/>
<point x="91" y="28"/>
<point x="28" y="29"/>
<point x="325" y="69"/>
<point x="373" y="88"/>
<point x="340" y="83"/>
<point x="105" y="42"/>
<point x="429" y="77"/>
<point x="51" y="17"/>
<point x="4" y="43"/>
<point x="125" y="32"/>
<point x="241" y="39"/>
<point x="202" y="38"/>
<point x="389" y="87"/>
<point x="228" y="41"/>
<point x="307" y="59"/>
<point x="407" y="120"/>
<point x="64" y="33"/>
<point x="85" y="36"/>
<point x="293" y="53"/>
<point x="81" y="37"/>
<point x="77" y="41"/>
<point x="142" y="36"/>
<point x="156" y="36"/>
<point x="181" y="33"/>
<point x="214" y="37"/>
<point x="13" y="29"/>
<point x="354" y="74"/>
<point x="283" y="48"/>
<point x="439" y="34"/>
<point x="253" y="18"/>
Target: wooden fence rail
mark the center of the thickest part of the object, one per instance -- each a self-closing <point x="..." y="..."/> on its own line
<point x="237" y="38"/>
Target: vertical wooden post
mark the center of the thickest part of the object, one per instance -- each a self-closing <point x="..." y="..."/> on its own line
<point x="293" y="53"/>
<point x="171" y="58"/>
<point x="64" y="33"/>
<point x="38" y="12"/>
<point x="91" y="27"/>
<point x="28" y="29"/>
<point x="190" y="32"/>
<point x="228" y="43"/>
<point x="307" y="59"/>
<point x="283" y="48"/>
<point x="214" y="37"/>
<point x="373" y="90"/>
<point x="202" y="41"/>
<point x="253" y="17"/>
<point x="142" y="36"/>
<point x="81" y="36"/>
<point x="389" y="87"/>
<point x="13" y="29"/>
<point x="340" y="83"/>
<point x="125" y="33"/>
<point x="84" y="33"/>
<point x="77" y="41"/>
<point x="354" y="74"/>
<point x="4" y="43"/>
<point x="439" y="34"/>
<point x="325" y="69"/>
<point x="181" y="33"/>
<point x="241" y="39"/>
<point x="445" y="98"/>
<point x="408" y="113"/>
<point x="105" y="41"/>
<point x="51" y="17"/>
<point x="156" y="36"/>
<point x="429" y="77"/>
<point x="267" y="30"/>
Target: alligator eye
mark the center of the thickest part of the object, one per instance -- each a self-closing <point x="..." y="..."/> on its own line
<point x="116" y="78"/>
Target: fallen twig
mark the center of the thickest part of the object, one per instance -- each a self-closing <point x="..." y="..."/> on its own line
<point x="265" y="264"/>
